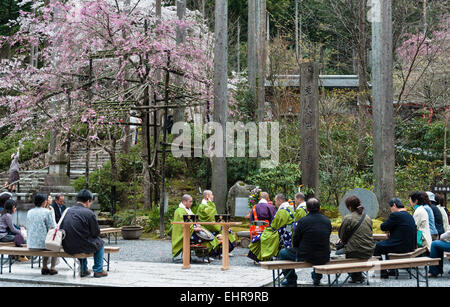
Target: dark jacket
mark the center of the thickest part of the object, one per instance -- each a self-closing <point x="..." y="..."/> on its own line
<point x="57" y="212"/>
<point x="82" y="231"/>
<point x="402" y="232"/>
<point x="438" y="221"/>
<point x="312" y="238"/>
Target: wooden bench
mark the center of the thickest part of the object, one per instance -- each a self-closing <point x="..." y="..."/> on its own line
<point x="23" y="251"/>
<point x="110" y="230"/>
<point x="418" y="252"/>
<point x="7" y="244"/>
<point x="405" y="263"/>
<point x="288" y="265"/>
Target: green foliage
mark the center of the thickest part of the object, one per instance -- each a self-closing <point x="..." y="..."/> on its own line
<point x="285" y="178"/>
<point x="9" y="10"/>
<point x="10" y="143"/>
<point x="424" y="140"/>
<point x="101" y="181"/>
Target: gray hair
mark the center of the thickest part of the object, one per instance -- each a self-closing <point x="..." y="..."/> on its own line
<point x="185" y="197"/>
<point x="281" y="197"/>
<point x="206" y="193"/>
<point x="58" y="196"/>
<point x="300" y="195"/>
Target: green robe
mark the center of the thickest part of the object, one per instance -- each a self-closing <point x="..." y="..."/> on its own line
<point x="206" y="213"/>
<point x="177" y="234"/>
<point x="268" y="246"/>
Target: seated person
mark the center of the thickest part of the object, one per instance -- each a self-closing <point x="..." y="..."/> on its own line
<point x="300" y="201"/>
<point x="440" y="204"/>
<point x="8" y="231"/>
<point x="402" y="233"/>
<point x="438" y="220"/>
<point x="359" y="242"/>
<point x="206" y="213"/>
<point x="438" y="248"/>
<point x="267" y="244"/>
<point x="83" y="234"/>
<point x="3" y="198"/>
<point x="421" y="218"/>
<point x="262" y="211"/>
<point x="300" y="206"/>
<point x="39" y="222"/>
<point x="184" y="208"/>
<point x="311" y="242"/>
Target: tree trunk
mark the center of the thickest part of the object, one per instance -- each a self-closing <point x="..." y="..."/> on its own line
<point x="363" y="88"/>
<point x="219" y="163"/>
<point x="382" y="70"/>
<point x="178" y="115"/>
<point x="252" y="57"/>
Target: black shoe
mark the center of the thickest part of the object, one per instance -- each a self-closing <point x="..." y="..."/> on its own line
<point x="393" y="272"/>
<point x="85" y="273"/>
<point x="289" y="285"/>
<point x="356" y="280"/>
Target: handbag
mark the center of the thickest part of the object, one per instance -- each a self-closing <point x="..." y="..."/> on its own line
<point x="55" y="236"/>
<point x="340" y="245"/>
<point x="419" y="238"/>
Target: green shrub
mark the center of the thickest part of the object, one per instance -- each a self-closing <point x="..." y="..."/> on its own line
<point x="285" y="178"/>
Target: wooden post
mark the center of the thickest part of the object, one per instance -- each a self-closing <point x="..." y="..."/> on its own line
<point x="383" y="121"/>
<point x="309" y="116"/>
<point x="186" y="246"/>
<point x="225" y="248"/>
<point x="219" y="163"/>
<point x="261" y="60"/>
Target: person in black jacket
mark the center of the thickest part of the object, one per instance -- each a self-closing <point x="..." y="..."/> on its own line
<point x="402" y="233"/>
<point x="438" y="221"/>
<point x="83" y="234"/>
<point x="58" y="206"/>
<point x="311" y="242"/>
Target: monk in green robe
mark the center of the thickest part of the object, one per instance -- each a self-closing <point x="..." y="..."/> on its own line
<point x="278" y="235"/>
<point x="177" y="230"/>
<point x="206" y="212"/>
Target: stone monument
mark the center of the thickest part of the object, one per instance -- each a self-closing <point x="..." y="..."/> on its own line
<point x="368" y="200"/>
<point x="238" y="190"/>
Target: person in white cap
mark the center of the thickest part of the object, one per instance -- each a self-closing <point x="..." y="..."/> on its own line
<point x="438" y="222"/>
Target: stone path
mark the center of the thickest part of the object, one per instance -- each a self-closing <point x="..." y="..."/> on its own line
<point x="145" y="274"/>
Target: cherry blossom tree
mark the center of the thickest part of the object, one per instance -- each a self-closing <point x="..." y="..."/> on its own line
<point x="97" y="61"/>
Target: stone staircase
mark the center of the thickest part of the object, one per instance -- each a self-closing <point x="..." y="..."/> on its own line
<point x="98" y="157"/>
<point x="31" y="180"/>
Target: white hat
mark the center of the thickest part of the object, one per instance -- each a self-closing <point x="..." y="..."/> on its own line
<point x="431" y="196"/>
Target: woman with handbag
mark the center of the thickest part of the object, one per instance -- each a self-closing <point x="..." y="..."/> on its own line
<point x="39" y="222"/>
<point x="356" y="234"/>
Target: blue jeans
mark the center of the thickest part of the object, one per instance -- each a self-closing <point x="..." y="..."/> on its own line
<point x="290" y="275"/>
<point x="98" y="261"/>
<point x="437" y="250"/>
